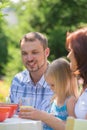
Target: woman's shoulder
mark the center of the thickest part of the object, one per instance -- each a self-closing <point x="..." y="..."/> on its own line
<point x="83" y="94"/>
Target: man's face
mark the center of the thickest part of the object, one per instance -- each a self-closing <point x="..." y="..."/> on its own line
<point x="33" y="55"/>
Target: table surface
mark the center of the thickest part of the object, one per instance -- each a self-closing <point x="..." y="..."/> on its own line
<point x="16" y="123"/>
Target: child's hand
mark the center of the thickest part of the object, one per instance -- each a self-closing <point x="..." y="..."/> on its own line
<point x="30" y="113"/>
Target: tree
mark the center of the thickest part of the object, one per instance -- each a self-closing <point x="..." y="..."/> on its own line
<point x="53" y="18"/>
<point x="3" y="40"/>
<point x="50" y="17"/>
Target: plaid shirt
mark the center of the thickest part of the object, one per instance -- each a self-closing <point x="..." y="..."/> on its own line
<point x="23" y="86"/>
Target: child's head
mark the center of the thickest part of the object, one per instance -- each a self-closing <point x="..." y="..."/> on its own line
<point x="61" y="79"/>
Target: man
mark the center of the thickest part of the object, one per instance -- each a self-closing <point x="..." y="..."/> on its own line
<point x="30" y="82"/>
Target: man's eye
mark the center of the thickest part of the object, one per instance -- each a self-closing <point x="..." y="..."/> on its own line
<point x="35" y="52"/>
<point x="24" y="54"/>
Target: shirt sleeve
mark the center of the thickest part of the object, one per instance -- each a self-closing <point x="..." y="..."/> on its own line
<point x="14" y="93"/>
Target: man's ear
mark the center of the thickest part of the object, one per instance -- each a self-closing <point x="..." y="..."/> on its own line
<point x="47" y="52"/>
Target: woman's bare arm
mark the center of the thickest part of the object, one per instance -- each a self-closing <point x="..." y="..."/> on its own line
<point x="71" y="106"/>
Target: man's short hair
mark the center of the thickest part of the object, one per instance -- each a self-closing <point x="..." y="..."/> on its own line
<point x="32" y="36"/>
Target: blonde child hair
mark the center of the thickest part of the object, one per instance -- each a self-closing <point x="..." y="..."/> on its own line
<point x="63" y="81"/>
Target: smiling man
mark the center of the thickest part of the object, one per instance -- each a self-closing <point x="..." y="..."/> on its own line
<point x="30" y="82"/>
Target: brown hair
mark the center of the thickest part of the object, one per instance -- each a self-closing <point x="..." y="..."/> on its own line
<point x="32" y="36"/>
<point x="78" y="42"/>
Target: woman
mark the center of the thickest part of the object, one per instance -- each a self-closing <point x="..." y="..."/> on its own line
<point x="76" y="43"/>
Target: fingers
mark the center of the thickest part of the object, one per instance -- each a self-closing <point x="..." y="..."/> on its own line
<point x="29" y="113"/>
<point x="26" y="115"/>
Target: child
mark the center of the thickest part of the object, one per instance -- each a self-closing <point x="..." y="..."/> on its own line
<point x="64" y="85"/>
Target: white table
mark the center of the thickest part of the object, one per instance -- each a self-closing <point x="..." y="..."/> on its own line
<point x="16" y="123"/>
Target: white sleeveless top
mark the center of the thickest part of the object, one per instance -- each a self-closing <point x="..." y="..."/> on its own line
<point x="81" y="106"/>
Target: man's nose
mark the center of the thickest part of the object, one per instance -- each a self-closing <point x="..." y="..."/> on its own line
<point x="29" y="57"/>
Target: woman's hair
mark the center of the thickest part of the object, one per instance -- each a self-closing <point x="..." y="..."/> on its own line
<point x="78" y="42"/>
<point x="61" y="75"/>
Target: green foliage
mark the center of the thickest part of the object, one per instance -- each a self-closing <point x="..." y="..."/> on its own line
<point x="53" y="18"/>
<point x="14" y="64"/>
<point x="50" y="17"/>
<point x="3" y="40"/>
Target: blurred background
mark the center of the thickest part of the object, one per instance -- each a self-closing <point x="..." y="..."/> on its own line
<point x="51" y="17"/>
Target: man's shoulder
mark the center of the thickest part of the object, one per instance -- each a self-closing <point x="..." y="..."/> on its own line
<point x="23" y="75"/>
